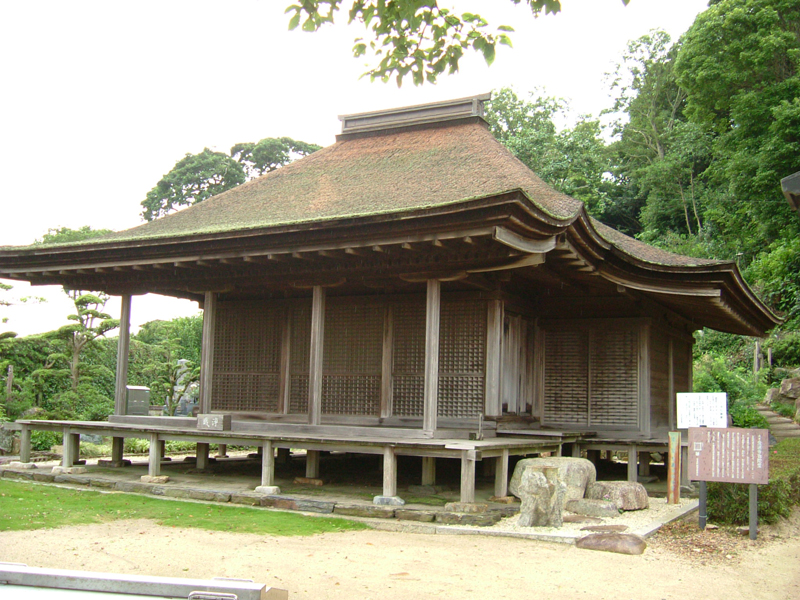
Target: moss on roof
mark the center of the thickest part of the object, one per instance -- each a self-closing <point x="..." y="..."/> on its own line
<point x="389" y="173"/>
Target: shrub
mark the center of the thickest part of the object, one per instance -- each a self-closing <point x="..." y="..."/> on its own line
<point x="89" y="450"/>
<point x="136" y="446"/>
<point x="44" y="440"/>
<point x="728" y="503"/>
<point x="744" y="414"/>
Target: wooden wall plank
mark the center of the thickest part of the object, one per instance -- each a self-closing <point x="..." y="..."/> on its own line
<point x="316" y="354"/>
<point x="284" y="387"/>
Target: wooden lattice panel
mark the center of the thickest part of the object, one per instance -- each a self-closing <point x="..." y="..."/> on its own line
<point x="566" y="377"/>
<point x="462" y="359"/>
<point x="299" y="358"/>
<point x="246" y="357"/>
<point x="351" y="394"/>
<point x="614" y="379"/>
<point x="659" y="379"/>
<point x="681" y="363"/>
<point x="408" y="394"/>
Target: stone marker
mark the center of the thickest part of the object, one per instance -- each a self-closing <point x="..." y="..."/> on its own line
<point x="542" y="493"/>
<point x="593" y="508"/>
<point x="576" y="473"/>
<point x="626" y="495"/>
<point x="621" y="543"/>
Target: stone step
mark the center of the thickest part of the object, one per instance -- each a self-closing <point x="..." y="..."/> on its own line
<point x="778" y="420"/>
<point x="784" y="426"/>
<point x="780" y="435"/>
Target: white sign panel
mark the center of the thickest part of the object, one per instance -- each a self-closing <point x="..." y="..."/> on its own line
<point x="696" y="410"/>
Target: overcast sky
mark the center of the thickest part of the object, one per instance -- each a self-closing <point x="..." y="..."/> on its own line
<point x="100" y="99"/>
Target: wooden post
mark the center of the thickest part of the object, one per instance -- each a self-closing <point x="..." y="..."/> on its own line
<point x="633" y="456"/>
<point x="222" y="450"/>
<point x="284" y="455"/>
<point x="467" y="476"/>
<point x="75" y="440"/>
<point x="644" y="380"/>
<point x="67" y="456"/>
<point x="267" y="463"/>
<point x="312" y="464"/>
<point x="202" y="456"/>
<point x="501" y="475"/>
<point x="316" y="351"/>
<point x="285" y="383"/>
<point x="162" y="449"/>
<point x="428" y="470"/>
<point x="154" y="459"/>
<point x="123" y="350"/>
<point x="387" y="363"/>
<point x="117" y="451"/>
<point x="389" y="472"/>
<point x="674" y="468"/>
<point x="25" y="444"/>
<point x="644" y="464"/>
<point x="431" y="385"/>
<point x="494" y="345"/>
<point x="207" y="352"/>
<point x="671" y="384"/>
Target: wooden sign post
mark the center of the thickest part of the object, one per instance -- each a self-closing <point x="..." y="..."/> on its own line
<point x="731" y="455"/>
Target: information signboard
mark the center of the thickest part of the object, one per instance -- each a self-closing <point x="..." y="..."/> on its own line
<point x="729" y="455"/>
<point x="697" y="410"/>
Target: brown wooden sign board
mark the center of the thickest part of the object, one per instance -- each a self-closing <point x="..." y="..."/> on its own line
<point x="729" y="455"/>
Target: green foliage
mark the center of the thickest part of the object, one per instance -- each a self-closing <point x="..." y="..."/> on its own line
<point x="573" y="161"/>
<point x="412" y="37"/>
<point x="65" y="235"/>
<point x="728" y="503"/>
<point x="785" y="349"/>
<point x="36" y="508"/>
<point x="44" y="440"/>
<point x="776" y="274"/>
<point x="197" y="177"/>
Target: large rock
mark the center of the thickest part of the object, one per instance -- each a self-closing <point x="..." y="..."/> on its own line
<point x="621" y="543"/>
<point x="593" y="508"/>
<point x="576" y="473"/>
<point x="6" y="439"/>
<point x="790" y="388"/>
<point x="773" y="394"/>
<point x="626" y="495"/>
<point x="542" y="493"/>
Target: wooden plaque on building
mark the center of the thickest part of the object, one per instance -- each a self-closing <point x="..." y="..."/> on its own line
<point x="214" y="422"/>
<point x="729" y="455"/>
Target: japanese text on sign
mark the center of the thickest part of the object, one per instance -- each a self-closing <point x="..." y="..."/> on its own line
<point x="729" y="455"/>
<point x="696" y="410"/>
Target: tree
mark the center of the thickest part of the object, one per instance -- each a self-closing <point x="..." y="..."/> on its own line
<point x="197" y="177"/>
<point x="65" y="235"/>
<point x="573" y="161"/>
<point x="413" y="37"/>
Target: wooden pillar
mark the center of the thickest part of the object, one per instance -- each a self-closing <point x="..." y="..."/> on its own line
<point x="316" y="351"/>
<point x="75" y="440"/>
<point x="312" y="464"/>
<point x="162" y="449"/>
<point x="25" y="444"/>
<point x="123" y="350"/>
<point x="494" y="345"/>
<point x="428" y="470"/>
<point x="671" y="384"/>
<point x="285" y="384"/>
<point x="501" y="475"/>
<point x="68" y="452"/>
<point x="202" y="456"/>
<point x="207" y="352"/>
<point x="117" y="450"/>
<point x="644" y="464"/>
<point x="222" y="450"/>
<point x="387" y="363"/>
<point x="389" y="472"/>
<point x="154" y="459"/>
<point x="467" y="476"/>
<point x="632" y="463"/>
<point x="431" y="385"/>
<point x="267" y="463"/>
<point x="284" y="455"/>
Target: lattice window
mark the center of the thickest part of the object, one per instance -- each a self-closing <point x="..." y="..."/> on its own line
<point x="615" y="379"/>
<point x="462" y="359"/>
<point x="351" y="394"/>
<point x="246" y="357"/>
<point x="566" y="377"/>
<point x="461" y="397"/>
<point x="408" y="395"/>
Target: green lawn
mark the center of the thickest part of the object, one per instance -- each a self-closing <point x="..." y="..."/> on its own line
<point x="26" y="506"/>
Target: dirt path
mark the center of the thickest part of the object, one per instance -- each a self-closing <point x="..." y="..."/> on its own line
<point x="393" y="566"/>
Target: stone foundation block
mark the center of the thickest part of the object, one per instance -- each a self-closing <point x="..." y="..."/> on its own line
<point x="156" y="479"/>
<point x="133" y="487"/>
<point x="284" y="502"/>
<point x="503" y="499"/>
<point x="247" y="498"/>
<point x="466" y="507"/>
<point x="421" y="516"/>
<point x="268" y="490"/>
<point x="388" y="501"/>
<point x="15" y="464"/>
<point x="193" y="494"/>
<point x="102" y="483"/>
<point x="480" y="520"/>
<point x="44" y="477"/>
<point x="22" y="475"/>
<point x="357" y="510"/>
<point x="73" y="479"/>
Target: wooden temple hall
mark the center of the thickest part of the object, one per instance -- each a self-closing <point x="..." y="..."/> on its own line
<point x="413" y="290"/>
